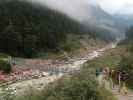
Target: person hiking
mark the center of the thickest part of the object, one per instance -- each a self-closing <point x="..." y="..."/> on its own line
<point x="103" y="77"/>
<point x="123" y="87"/>
<point x="119" y="80"/>
<point x="111" y="76"/>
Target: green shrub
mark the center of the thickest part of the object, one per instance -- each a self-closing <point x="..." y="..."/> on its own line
<point x="3" y="55"/>
<point x="126" y="63"/>
<point x="5" y="66"/>
<point x="126" y="66"/>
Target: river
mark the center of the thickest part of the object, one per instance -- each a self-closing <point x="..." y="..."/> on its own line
<point x="20" y="87"/>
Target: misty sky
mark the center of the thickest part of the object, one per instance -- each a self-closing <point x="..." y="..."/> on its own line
<point x="111" y="6"/>
<point x="116" y="6"/>
<point x="80" y="10"/>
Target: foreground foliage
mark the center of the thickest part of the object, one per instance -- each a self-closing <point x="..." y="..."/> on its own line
<point x="80" y="86"/>
<point x="5" y="66"/>
<point x="126" y="64"/>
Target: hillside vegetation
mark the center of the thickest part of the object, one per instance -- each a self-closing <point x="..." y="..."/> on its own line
<point x="27" y="28"/>
<point x="126" y="64"/>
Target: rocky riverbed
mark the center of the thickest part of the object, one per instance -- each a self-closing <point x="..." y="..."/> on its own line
<point x="37" y="73"/>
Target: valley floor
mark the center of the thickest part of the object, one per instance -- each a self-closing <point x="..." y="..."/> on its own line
<point x="51" y="73"/>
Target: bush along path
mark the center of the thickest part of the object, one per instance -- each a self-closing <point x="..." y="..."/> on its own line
<point x="114" y="88"/>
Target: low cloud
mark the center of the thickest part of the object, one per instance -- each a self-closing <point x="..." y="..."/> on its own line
<point x="117" y="6"/>
<point x="78" y="9"/>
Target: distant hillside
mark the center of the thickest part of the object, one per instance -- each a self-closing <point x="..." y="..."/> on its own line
<point x="107" y="25"/>
<point x="127" y="19"/>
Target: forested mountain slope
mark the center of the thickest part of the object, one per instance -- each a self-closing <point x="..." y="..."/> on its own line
<point x="25" y="26"/>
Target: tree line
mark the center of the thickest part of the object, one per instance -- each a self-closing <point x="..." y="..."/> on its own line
<point x="27" y="28"/>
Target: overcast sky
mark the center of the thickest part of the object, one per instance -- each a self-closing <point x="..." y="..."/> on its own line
<point x="116" y="6"/>
<point x="111" y="6"/>
<point x="75" y="8"/>
<point x="80" y="9"/>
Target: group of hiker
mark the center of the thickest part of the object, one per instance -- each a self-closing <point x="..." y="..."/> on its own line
<point x="114" y="77"/>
